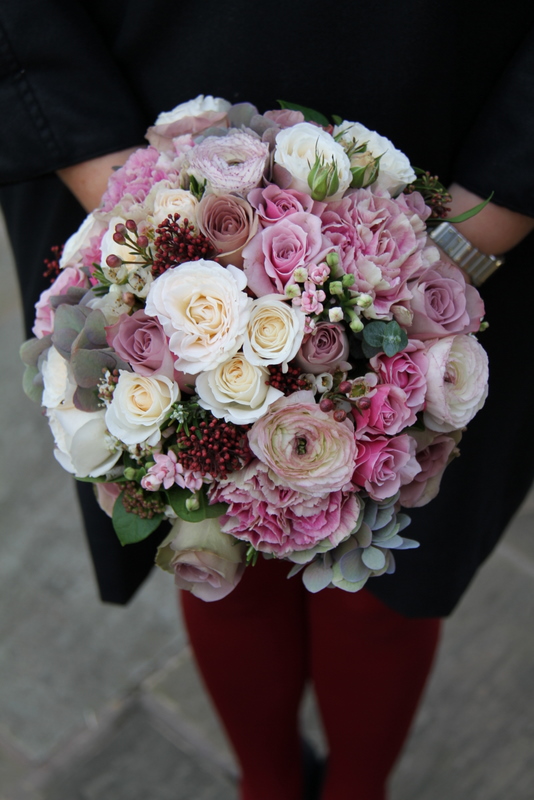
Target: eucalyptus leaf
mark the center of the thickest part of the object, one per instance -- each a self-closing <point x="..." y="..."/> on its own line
<point x="72" y="317"/>
<point x="32" y="349"/>
<point x="316" y="577"/>
<point x="374" y="332"/>
<point x="87" y="400"/>
<point x="408" y="544"/>
<point x="130" y="528"/>
<point x="373" y="558"/>
<point x="310" y="115"/>
<point x="88" y="365"/>
<point x="352" y="567"/>
<point x="95" y="329"/>
<point x="32" y="384"/>
<point x="395" y="339"/>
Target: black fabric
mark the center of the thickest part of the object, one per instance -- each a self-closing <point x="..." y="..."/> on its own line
<point x="451" y="86"/>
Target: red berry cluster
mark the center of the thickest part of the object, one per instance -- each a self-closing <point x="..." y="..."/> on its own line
<point x="52" y="264"/>
<point x="176" y="242"/>
<point x="214" y="448"/>
<point x="145" y="504"/>
<point x="286" y="382"/>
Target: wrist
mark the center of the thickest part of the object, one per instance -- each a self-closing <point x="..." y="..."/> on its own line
<point x="88" y="180"/>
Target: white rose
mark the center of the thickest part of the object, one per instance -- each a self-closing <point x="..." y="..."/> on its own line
<point x="297" y="149"/>
<point x="457" y="382"/>
<point x="203" y="310"/>
<point x="175" y="201"/>
<point x="90" y="227"/>
<point x="139" y="406"/>
<point x="395" y="170"/>
<point x="83" y="445"/>
<point x="112" y="304"/>
<point x="193" y="108"/>
<point x="236" y="390"/>
<point x="124" y="251"/>
<point x="274" y="333"/>
<point x="59" y="386"/>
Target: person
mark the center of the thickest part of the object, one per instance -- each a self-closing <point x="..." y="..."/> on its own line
<point x="77" y="96"/>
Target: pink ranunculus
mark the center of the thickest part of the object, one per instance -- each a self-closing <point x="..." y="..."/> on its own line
<point x="106" y="495"/>
<point x="135" y="179"/>
<point x="272" y="256"/>
<point x="383" y="465"/>
<point x="273" y="204"/>
<point x="434" y="453"/>
<point x="229" y="222"/>
<point x="231" y="163"/>
<point x="285" y="117"/>
<point x="387" y="413"/>
<point x="325" y="349"/>
<point x="457" y="382"/>
<point x="443" y="303"/>
<point x="306" y="448"/>
<point x="140" y="340"/>
<point x="279" y="520"/>
<point x="407" y="370"/>
<point x="44" y="313"/>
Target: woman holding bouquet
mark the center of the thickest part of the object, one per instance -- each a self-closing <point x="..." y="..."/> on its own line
<point x="77" y="103"/>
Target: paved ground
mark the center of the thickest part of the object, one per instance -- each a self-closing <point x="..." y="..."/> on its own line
<point x="103" y="703"/>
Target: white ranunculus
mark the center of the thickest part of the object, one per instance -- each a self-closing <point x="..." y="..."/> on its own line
<point x="139" y="406"/>
<point x="395" y="169"/>
<point x="457" y="382"/>
<point x="175" y="201"/>
<point x="59" y="386"/>
<point x="83" y="445"/>
<point x="193" y="108"/>
<point x="274" y="332"/>
<point x="236" y="390"/>
<point x="297" y="149"/>
<point x="204" y="312"/>
<point x="124" y="251"/>
<point x="90" y="227"/>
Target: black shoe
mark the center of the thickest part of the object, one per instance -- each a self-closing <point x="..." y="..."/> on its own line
<point x="314" y="771"/>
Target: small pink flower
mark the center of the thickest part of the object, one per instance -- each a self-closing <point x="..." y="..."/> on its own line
<point x="165" y="471"/>
<point x="311" y="300"/>
<point x="318" y="273"/>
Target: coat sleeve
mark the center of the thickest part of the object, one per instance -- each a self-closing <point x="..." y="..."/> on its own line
<point x="498" y="154"/>
<point x="63" y="98"/>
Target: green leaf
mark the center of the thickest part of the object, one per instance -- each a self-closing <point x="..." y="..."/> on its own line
<point x="337" y="120"/>
<point x="130" y="528"/>
<point x="32" y="388"/>
<point x="374" y="332"/>
<point x="471" y="212"/>
<point x="395" y="339"/>
<point x="177" y="500"/>
<point x="310" y="115"/>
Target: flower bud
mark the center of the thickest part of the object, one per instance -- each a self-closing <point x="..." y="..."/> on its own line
<point x="335" y="314"/>
<point x="142" y="242"/>
<point x="340" y="415"/>
<point x="192" y="503"/>
<point x="364" y="168"/>
<point x="345" y="387"/>
<point x="113" y="261"/>
<point x="130" y="473"/>
<point x="336" y="287"/>
<point x="130" y="225"/>
<point x="118" y="237"/>
<point x="347" y="280"/>
<point x="364" y="301"/>
<point x="300" y="275"/>
<point x="332" y="259"/>
<point x="323" y="179"/>
<point x="292" y="290"/>
<point x="326" y="404"/>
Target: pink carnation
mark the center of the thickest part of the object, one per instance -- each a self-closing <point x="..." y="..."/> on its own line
<point x="44" y="316"/>
<point x="135" y="179"/>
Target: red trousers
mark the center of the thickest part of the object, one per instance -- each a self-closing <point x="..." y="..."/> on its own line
<point x="257" y="648"/>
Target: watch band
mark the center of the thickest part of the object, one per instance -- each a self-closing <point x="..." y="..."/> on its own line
<point x="477" y="265"/>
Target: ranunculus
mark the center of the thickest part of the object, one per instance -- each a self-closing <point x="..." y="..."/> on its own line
<point x="457" y="381"/>
<point x="274" y="332"/>
<point x="229" y="222"/>
<point x="83" y="446"/>
<point x="236" y="390"/>
<point x="44" y="313"/>
<point x="297" y="149"/>
<point x="434" y="452"/>
<point x="140" y="340"/>
<point x="387" y="413"/>
<point x="204" y="312"/>
<point x="307" y="449"/>
<point x="395" y="169"/>
<point x="443" y="303"/>
<point x="383" y="465"/>
<point x="285" y="117"/>
<point x="139" y="406"/>
<point x="272" y="256"/>
<point x="205" y="561"/>
<point x="191" y="117"/>
<point x="232" y="163"/>
<point x="327" y="347"/>
<point x="407" y="370"/>
<point x="276" y="519"/>
<point x="175" y="201"/>
<point x="274" y="204"/>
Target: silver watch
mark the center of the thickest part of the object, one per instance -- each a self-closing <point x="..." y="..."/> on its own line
<point x="477" y="265"/>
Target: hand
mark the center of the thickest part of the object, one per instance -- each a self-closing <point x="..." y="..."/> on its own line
<point x="89" y="179"/>
<point x="493" y="231"/>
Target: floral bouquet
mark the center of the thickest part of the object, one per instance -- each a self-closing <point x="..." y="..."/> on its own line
<point x="254" y="338"/>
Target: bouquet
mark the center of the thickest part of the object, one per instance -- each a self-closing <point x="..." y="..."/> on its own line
<point x="254" y="338"/>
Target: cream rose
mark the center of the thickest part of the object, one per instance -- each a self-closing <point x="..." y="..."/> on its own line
<point x="274" y="333"/>
<point x="83" y="446"/>
<point x="175" y="201"/>
<point x="59" y="386"/>
<point x="297" y="149"/>
<point x="236" y="390"/>
<point x="204" y="312"/>
<point x="193" y="108"/>
<point x="139" y="406"/>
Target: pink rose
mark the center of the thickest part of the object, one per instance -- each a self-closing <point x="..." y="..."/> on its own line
<point x="326" y="348"/>
<point x="388" y="413"/>
<point x="305" y="447"/>
<point x="44" y="313"/>
<point x="229" y="222"/>
<point x="407" y="370"/>
<point x="106" y="495"/>
<point x="434" y="454"/>
<point x="384" y="465"/>
<point x="273" y="204"/>
<point x="272" y="256"/>
<point x="443" y="303"/>
<point x="141" y="341"/>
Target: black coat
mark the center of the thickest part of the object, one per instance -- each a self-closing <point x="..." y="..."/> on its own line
<point x="452" y="85"/>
